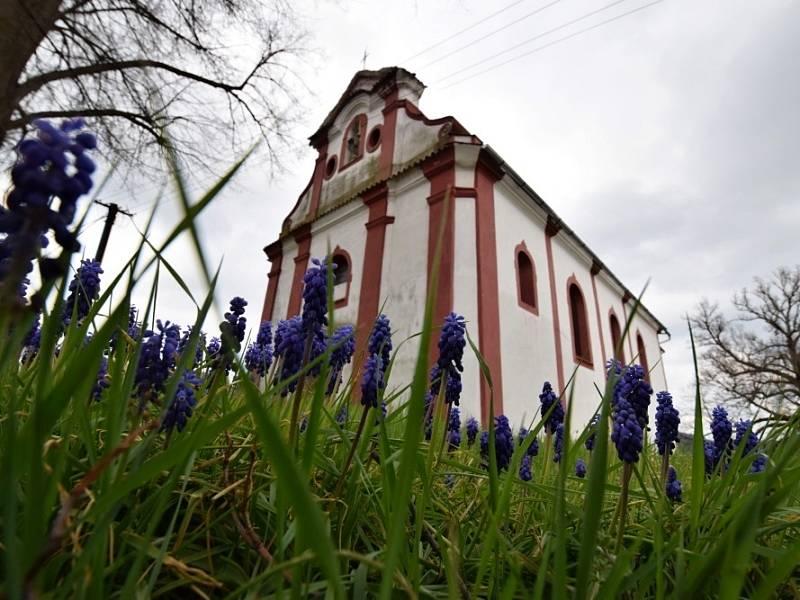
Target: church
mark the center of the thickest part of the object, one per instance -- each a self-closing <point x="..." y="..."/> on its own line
<point x="539" y="304"/>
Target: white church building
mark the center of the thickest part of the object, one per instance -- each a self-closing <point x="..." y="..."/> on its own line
<point x="539" y="304"/>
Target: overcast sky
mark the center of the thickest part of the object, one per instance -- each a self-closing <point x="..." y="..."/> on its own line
<point x="668" y="139"/>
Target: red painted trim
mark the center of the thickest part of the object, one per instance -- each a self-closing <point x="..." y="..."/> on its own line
<point x="275" y="255"/>
<point x="330" y="172"/>
<point x="377" y="200"/>
<point x="316" y="181"/>
<point x="440" y="171"/>
<point x="641" y="351"/>
<point x="339" y="251"/>
<point x="625" y="299"/>
<point x="488" y="287"/>
<point x="377" y="130"/>
<point x="613" y="314"/>
<point x="551" y="230"/>
<point x="586" y="339"/>
<point x="415" y="113"/>
<point x="303" y="238"/>
<point x="522" y="248"/>
<point x="361" y="119"/>
<point x="595" y="271"/>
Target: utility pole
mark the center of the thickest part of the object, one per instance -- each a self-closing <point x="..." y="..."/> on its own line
<point x="113" y="209"/>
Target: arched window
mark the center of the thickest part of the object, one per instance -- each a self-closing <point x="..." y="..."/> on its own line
<point x="616" y="338"/>
<point x="526" y="279"/>
<point x="642" y="351"/>
<point x="353" y="141"/>
<point x="581" y="344"/>
<point x="342" y="275"/>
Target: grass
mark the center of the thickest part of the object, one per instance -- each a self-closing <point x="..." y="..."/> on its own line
<point x="98" y="503"/>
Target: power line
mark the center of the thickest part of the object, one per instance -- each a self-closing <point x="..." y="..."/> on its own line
<point x="490" y="34"/>
<point x="554" y="42"/>
<point x="468" y="28"/>
<point x="532" y="39"/>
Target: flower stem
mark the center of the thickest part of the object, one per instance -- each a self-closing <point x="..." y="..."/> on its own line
<point x="298" y="394"/>
<point x="349" y="460"/>
<point x="627" y="471"/>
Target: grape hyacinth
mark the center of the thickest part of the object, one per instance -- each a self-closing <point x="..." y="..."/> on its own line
<point x="315" y="297"/>
<point x="548" y="399"/>
<point x="634" y="388"/>
<point x="319" y="345"/>
<point x="589" y="443"/>
<point x="289" y="346"/>
<point x="183" y="346"/>
<point x="341" y="416"/>
<point x="380" y="340"/>
<point x="708" y="456"/>
<point x="721" y="430"/>
<point x="533" y="449"/>
<point x="673" y="487"/>
<point x="32" y="340"/>
<point x="503" y="442"/>
<point x="101" y="382"/>
<point x="232" y="331"/>
<point x="56" y="165"/>
<point x="343" y="345"/>
<point x="371" y="381"/>
<point x="627" y="433"/>
<point x="182" y="405"/>
<point x="473" y="427"/>
<point x="558" y="443"/>
<point x="452" y="342"/>
<point x="749" y="438"/>
<point x="258" y="357"/>
<point x="667" y="421"/>
<point x="454" y="429"/>
<point x="157" y="358"/>
<point x="525" y="473"/>
<point x="213" y="348"/>
<point x="759" y="464"/>
<point x="580" y="468"/>
<point x="84" y="289"/>
<point x="133" y="324"/>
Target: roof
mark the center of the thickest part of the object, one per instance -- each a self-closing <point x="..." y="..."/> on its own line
<point x="375" y="80"/>
<point x="517" y="178"/>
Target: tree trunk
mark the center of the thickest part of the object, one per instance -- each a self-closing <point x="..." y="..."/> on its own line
<point x="23" y="26"/>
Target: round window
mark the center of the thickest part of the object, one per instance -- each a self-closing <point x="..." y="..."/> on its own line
<point x="374" y="138"/>
<point x="330" y="167"/>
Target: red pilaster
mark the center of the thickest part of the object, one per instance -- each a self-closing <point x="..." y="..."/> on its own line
<point x="317" y="179"/>
<point x="303" y="238"/>
<point x="275" y="255"/>
<point x="377" y="200"/>
<point x="551" y="229"/>
<point x="486" y="175"/>
<point x="440" y="171"/>
<point x="388" y="132"/>
<point x="596" y="268"/>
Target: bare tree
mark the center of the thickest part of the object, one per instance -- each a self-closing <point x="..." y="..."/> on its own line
<point x="754" y="358"/>
<point x="214" y="71"/>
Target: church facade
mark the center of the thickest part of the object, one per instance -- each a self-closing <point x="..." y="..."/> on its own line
<point x="539" y="304"/>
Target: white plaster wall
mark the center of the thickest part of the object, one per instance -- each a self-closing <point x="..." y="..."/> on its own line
<point x="405" y="268"/>
<point x="289" y="249"/>
<point x="344" y="228"/>
<point x="567" y="262"/>
<point x="609" y="296"/>
<point x="346" y="180"/>
<point x="526" y="340"/>
<point x="413" y="138"/>
<point x="465" y="299"/>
